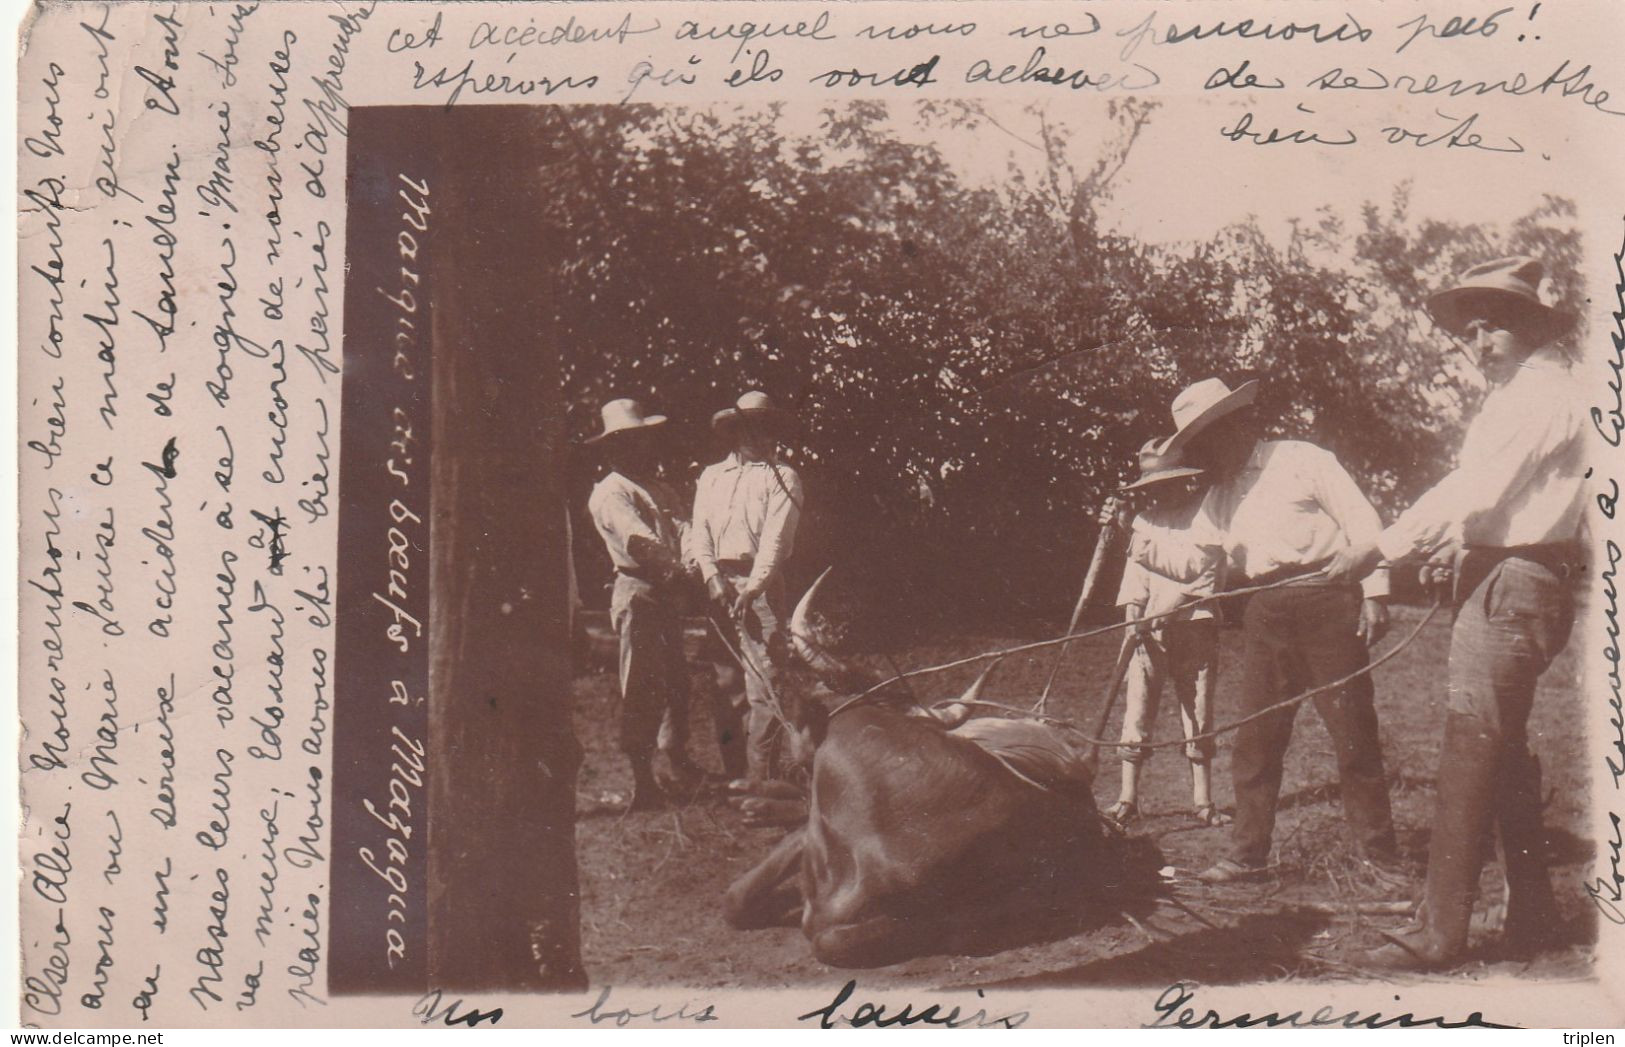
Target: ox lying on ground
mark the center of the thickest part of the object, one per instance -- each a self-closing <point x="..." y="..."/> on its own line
<point x="919" y="837"/>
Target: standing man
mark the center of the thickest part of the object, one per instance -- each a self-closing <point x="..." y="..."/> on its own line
<point x="1512" y="511"/>
<point x="1285" y="508"/>
<point x="1174" y="557"/>
<point x="636" y="514"/>
<point x="746" y="508"/>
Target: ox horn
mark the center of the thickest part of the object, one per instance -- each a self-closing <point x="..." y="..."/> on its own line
<point x="809" y="633"/>
<point x="973" y="693"/>
<point x="953" y="713"/>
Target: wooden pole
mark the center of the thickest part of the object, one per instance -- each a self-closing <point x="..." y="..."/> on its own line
<point x="1125" y="654"/>
<point x="503" y="893"/>
<point x="1091" y="581"/>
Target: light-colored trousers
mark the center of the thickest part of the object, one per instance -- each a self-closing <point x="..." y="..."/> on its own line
<point x="1185" y="657"/>
<point x="765" y="646"/>
<point x="654" y="673"/>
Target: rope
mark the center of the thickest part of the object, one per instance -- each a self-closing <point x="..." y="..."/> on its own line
<point x="775" y="707"/>
<point x="1227" y="728"/>
<point x="1101" y="631"/>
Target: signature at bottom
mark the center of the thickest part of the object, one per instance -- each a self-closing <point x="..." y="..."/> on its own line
<point x="1176" y="996"/>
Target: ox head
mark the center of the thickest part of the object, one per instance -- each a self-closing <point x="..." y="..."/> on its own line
<point x="816" y="635"/>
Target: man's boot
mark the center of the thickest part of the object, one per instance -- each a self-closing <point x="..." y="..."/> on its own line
<point x="1532" y="916"/>
<point x="1127" y="808"/>
<point x="646" y="792"/>
<point x="1461" y="819"/>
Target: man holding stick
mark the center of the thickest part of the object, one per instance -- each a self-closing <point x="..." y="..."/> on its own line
<point x="1512" y="510"/>
<point x="746" y="508"/>
<point x="1175" y="556"/>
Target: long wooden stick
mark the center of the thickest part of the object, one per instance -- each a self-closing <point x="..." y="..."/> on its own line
<point x="1131" y="640"/>
<point x="1091" y="582"/>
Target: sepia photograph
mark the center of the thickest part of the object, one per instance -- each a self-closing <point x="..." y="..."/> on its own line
<point x="983" y="568"/>
<point x="820" y="515"/>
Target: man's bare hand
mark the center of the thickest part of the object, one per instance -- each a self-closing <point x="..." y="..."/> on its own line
<point x="1353" y="563"/>
<point x="1438" y="575"/>
<point x="717" y="589"/>
<point x="1114" y="513"/>
<point x="1373" y="622"/>
<point x="746" y="596"/>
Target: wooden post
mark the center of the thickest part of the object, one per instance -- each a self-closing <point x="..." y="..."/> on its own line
<point x="503" y="894"/>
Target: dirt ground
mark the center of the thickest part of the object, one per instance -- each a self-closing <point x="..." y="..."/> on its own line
<point x="652" y="882"/>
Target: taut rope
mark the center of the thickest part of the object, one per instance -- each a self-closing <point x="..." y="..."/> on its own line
<point x="1039" y="645"/>
<point x="1227" y="728"/>
<point x="1131" y="623"/>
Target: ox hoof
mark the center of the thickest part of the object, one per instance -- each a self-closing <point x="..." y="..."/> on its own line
<point x="770" y="788"/>
<point x="1123" y="813"/>
<point x="768" y="812"/>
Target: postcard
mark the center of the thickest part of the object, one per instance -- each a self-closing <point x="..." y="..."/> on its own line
<point x="804" y="514"/>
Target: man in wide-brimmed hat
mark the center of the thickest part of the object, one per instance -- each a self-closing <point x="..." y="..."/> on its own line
<point x="1510" y="517"/>
<point x="1285" y="508"/>
<point x="746" y="508"/>
<point x="1175" y="557"/>
<point x="638" y="517"/>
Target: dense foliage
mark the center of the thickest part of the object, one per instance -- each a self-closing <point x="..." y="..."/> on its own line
<point x="975" y="365"/>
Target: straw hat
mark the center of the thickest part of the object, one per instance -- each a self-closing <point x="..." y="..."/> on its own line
<point x="1198" y="406"/>
<point x="1506" y="287"/>
<point x="623" y="417"/>
<point x="755" y="407"/>
<point x="1156" y="468"/>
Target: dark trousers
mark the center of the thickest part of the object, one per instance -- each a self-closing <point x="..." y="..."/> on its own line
<point x="1297" y="638"/>
<point x="1507" y="632"/>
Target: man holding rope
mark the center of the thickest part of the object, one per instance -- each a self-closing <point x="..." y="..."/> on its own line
<point x="746" y="508"/>
<point x="1285" y="507"/>
<point x="636" y="515"/>
<point x="1512" y="511"/>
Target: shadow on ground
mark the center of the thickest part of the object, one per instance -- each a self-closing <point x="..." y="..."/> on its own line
<point x="1259" y="947"/>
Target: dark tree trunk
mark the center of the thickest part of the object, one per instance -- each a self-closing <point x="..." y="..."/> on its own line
<point x="503" y="903"/>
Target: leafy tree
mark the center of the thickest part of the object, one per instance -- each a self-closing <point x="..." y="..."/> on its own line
<point x="975" y="365"/>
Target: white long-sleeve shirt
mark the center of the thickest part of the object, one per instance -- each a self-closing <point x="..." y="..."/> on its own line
<point x="1521" y="475"/>
<point x="1175" y="555"/>
<point x="638" y="523"/>
<point x="746" y="511"/>
<point x="1293" y="505"/>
